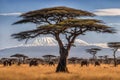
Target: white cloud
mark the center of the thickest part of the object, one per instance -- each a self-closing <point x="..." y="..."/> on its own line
<point x="10" y="14"/>
<point x="108" y="12"/>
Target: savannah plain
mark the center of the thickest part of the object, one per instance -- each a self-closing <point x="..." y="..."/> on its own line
<point x="45" y="72"/>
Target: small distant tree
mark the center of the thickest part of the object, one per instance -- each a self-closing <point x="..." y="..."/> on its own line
<point x="93" y="52"/>
<point x="101" y="58"/>
<point x="60" y="22"/>
<point x="48" y="58"/>
<point x="21" y="57"/>
<point x="115" y="46"/>
<point x="106" y="58"/>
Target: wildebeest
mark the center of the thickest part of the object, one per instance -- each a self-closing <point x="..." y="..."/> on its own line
<point x="7" y="63"/>
<point x="33" y="63"/>
<point x="97" y="63"/>
<point x="51" y="63"/>
<point x="84" y="62"/>
<point x="19" y="63"/>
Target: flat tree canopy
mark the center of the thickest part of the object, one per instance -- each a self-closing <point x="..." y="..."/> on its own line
<point x="114" y="44"/>
<point x="61" y="21"/>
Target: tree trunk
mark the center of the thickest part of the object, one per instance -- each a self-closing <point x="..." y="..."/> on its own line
<point x="115" y="63"/>
<point x="114" y="54"/>
<point x="62" y="65"/>
<point x="94" y="58"/>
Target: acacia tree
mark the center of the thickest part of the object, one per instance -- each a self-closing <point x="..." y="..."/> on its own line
<point x="106" y="58"/>
<point x="101" y="58"/>
<point x="60" y="22"/>
<point x="115" y="46"/>
<point x="93" y="51"/>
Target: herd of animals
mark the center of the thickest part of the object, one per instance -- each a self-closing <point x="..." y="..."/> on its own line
<point x="31" y="62"/>
<point x="37" y="61"/>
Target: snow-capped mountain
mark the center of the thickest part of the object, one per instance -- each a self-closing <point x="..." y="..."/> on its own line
<point x="48" y="45"/>
<point x="45" y="41"/>
<point x="50" y="41"/>
<point x="103" y="45"/>
<point x="79" y="42"/>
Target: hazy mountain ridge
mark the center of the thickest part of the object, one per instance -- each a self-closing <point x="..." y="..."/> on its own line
<point x="48" y="45"/>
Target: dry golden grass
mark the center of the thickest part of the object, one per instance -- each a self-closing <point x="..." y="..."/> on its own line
<point x="44" y="72"/>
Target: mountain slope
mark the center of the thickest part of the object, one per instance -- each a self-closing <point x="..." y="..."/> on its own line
<point x="48" y="45"/>
<point x="45" y="41"/>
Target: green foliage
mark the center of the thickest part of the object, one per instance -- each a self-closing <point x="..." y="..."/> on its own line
<point x="93" y="50"/>
<point x="54" y="15"/>
<point x="60" y="20"/>
<point x="114" y="44"/>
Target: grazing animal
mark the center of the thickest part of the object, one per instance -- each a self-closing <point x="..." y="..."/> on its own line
<point x="97" y="63"/>
<point x="84" y="62"/>
<point x="19" y="63"/>
<point x="51" y="63"/>
<point x="7" y="63"/>
<point x="33" y="63"/>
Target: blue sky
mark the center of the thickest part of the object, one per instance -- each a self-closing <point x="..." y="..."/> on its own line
<point x="107" y="10"/>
